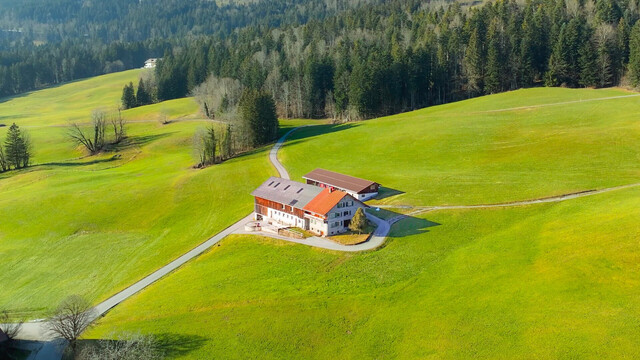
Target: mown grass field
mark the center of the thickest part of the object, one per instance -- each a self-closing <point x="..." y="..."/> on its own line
<point x="93" y="225"/>
<point x="547" y="281"/>
<point x="466" y="153"/>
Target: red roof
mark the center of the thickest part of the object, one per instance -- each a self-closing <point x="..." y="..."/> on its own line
<point x="325" y="201"/>
<point x="339" y="180"/>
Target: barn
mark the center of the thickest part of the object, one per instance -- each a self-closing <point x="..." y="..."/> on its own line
<point x="360" y="189"/>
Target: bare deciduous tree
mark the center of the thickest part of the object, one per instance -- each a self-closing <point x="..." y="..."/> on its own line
<point x="118" y="123"/>
<point x="4" y="165"/>
<point x="127" y="347"/>
<point x="95" y="142"/>
<point x="10" y="326"/>
<point x="204" y="145"/>
<point x="163" y="118"/>
<point x="73" y="316"/>
<point x="216" y="96"/>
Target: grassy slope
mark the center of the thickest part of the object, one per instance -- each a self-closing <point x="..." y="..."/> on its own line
<point x="543" y="281"/>
<point x="455" y="154"/>
<point x="94" y="225"/>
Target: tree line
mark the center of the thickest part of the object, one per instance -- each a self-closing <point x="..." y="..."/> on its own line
<point x="383" y="59"/>
<point x="370" y="59"/>
<point x="48" y="42"/>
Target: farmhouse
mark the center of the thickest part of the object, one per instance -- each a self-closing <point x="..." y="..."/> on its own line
<point x="323" y="211"/>
<point x="358" y="188"/>
<point x="150" y="63"/>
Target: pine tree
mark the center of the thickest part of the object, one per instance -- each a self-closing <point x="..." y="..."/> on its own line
<point x="474" y="62"/>
<point x="358" y="222"/>
<point x="143" y="97"/>
<point x="258" y="111"/>
<point x="17" y="150"/>
<point x="634" y="55"/>
<point x="558" y="66"/>
<point x="128" y="96"/>
<point x="4" y="165"/>
<point x="588" y="65"/>
<point x="493" y="76"/>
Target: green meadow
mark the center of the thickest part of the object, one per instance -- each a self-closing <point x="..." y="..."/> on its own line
<point x="73" y="224"/>
<point x="467" y="153"/>
<point x="553" y="281"/>
<point x="550" y="281"/>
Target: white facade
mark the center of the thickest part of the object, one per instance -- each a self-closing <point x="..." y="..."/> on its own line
<point x="338" y="218"/>
<point x="363" y="197"/>
<point x="284" y="218"/>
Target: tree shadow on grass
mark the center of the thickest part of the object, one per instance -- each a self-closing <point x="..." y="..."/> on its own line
<point x="316" y="130"/>
<point x="82" y="163"/>
<point x="137" y="141"/>
<point x="177" y="345"/>
<point x="169" y="345"/>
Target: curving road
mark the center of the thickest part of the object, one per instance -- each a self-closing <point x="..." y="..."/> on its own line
<point x="36" y="330"/>
<point x="273" y="154"/>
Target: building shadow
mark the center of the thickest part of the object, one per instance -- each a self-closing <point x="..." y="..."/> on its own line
<point x="385" y="192"/>
<point x="403" y="225"/>
<point x="411" y="225"/>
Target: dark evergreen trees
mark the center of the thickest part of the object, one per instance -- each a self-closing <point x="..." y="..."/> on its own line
<point x="17" y="148"/>
<point x="128" y="97"/>
<point x="588" y="66"/>
<point x="143" y="95"/>
<point x="258" y="110"/>
<point x="634" y="55"/>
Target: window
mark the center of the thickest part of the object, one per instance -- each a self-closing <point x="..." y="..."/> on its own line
<point x="335" y="224"/>
<point x="336" y="215"/>
<point x="346" y="213"/>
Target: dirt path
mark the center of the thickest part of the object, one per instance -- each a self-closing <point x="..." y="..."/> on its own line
<point x="555" y="104"/>
<point x="424" y="208"/>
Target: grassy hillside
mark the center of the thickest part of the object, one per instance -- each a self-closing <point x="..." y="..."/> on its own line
<point x="467" y="153"/>
<point x="542" y="281"/>
<point x="92" y="225"/>
<point x="545" y="281"/>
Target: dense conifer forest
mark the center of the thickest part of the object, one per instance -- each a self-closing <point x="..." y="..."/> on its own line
<point x="324" y="58"/>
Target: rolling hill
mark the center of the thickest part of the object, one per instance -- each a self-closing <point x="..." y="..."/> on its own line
<point x="553" y="280"/>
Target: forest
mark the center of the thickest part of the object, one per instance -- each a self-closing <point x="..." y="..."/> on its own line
<point x="383" y="59"/>
<point x="366" y="60"/>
